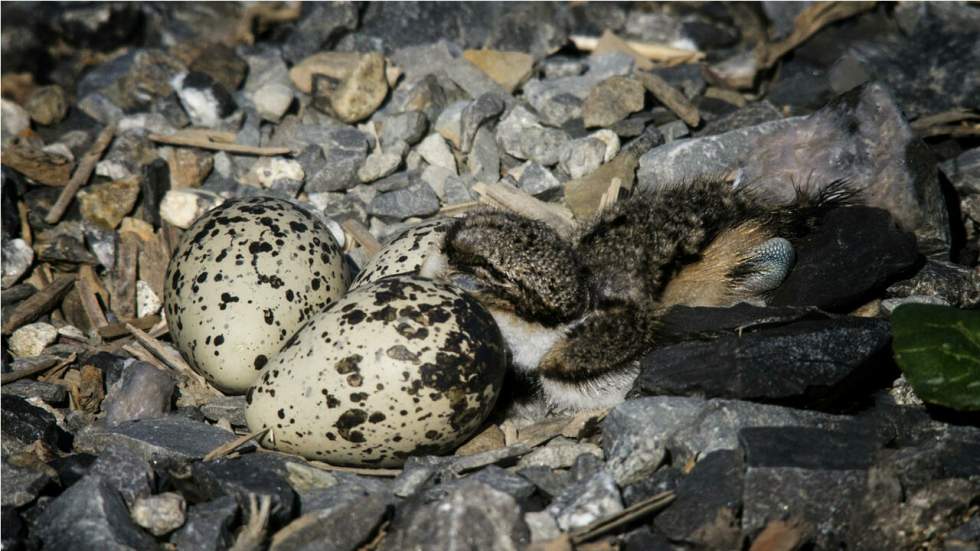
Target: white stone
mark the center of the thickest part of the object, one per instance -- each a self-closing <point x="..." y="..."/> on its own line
<point x="511" y="127"/>
<point x="113" y="170"/>
<point x="267" y="170"/>
<point x="59" y="149"/>
<point x="13" y="119"/>
<point x="17" y="259"/>
<point x="436" y="152"/>
<point x="147" y="302"/>
<point x="611" y="139"/>
<point x="72" y="332"/>
<point x="272" y="100"/>
<point x="181" y="207"/>
<point x="582" y="156"/>
<point x="161" y="513"/>
<point x="378" y="165"/>
<point x="336" y="231"/>
<point x="30" y="340"/>
<point x="436" y="177"/>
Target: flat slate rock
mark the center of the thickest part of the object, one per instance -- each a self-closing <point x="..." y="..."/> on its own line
<point x="344" y="528"/>
<point x="208" y="525"/>
<point x="173" y="436"/>
<point x="803" y="362"/>
<point x="27" y="423"/>
<point x="709" y="500"/>
<point x="241" y="477"/>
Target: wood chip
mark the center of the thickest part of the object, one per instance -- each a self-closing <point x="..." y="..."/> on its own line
<point x="229" y="447"/>
<point x="670" y="97"/>
<point x="123" y="285"/>
<point x="39" y="303"/>
<point x="491" y="438"/>
<point x="154" y="256"/>
<point x="193" y="141"/>
<point x="25" y="224"/>
<point x="364" y="471"/>
<point x="40" y="368"/>
<point x="362" y="235"/>
<point x="81" y="175"/>
<point x="89" y="290"/>
<point x="85" y="389"/>
<point x="509" y="197"/>
<point x="460" y="208"/>
<point x="120" y="329"/>
<point x="55" y="371"/>
<point x="44" y="168"/>
<point x="655" y="52"/>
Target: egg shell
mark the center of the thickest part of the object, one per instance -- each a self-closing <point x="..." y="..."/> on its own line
<point x="243" y="279"/>
<point x="404" y="366"/>
<point x="406" y="253"/>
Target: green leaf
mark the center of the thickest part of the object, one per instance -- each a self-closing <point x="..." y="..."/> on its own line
<point x="938" y="349"/>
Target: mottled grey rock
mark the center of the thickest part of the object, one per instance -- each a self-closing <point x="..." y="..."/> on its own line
<point x="413" y="477"/>
<point x="408" y="127"/>
<point x="804" y="361"/>
<point x="897" y="173"/>
<point x="476" y="113"/>
<point x="160" y="514"/>
<point x="422" y="59"/>
<point x="957" y="285"/>
<point x="343" y="528"/>
<point x="382" y="163"/>
<point x="757" y="112"/>
<point x="472" y="516"/>
<point x="436" y="152"/>
<point x="208" y="525"/>
<point x="474" y="81"/>
<point x="483" y="162"/>
<point x="23" y="482"/>
<point x="889" y="305"/>
<point x="537" y="180"/>
<point x="143" y="391"/>
<point x="559" y="66"/>
<point x="90" y="516"/>
<point x="47" y="104"/>
<point x="124" y="471"/>
<point x="560" y="453"/>
<point x="319" y="29"/>
<point x="272" y="100"/>
<point x="231" y="408"/>
<point x="586" y="502"/>
<point x="964" y="171"/>
<point x="674" y="131"/>
<point x="708" y="503"/>
<point x="26" y="423"/>
<point x="171" y="436"/>
<point x="30" y="388"/>
<point x="582" y="156"/>
<point x="17" y="259"/>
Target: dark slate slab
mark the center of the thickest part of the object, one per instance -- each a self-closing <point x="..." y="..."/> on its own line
<point x="244" y="476"/>
<point x="854" y="254"/>
<point x="27" y="423"/>
<point x="208" y="526"/>
<point x="343" y="528"/>
<point x="802" y="362"/>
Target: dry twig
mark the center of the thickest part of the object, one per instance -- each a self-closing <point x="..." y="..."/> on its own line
<point x="808" y="22"/>
<point x="654" y="52"/>
<point x="53" y="364"/>
<point x="229" y="447"/>
<point x="364" y="471"/>
<point x="203" y="143"/>
<point x="81" y="175"/>
<point x="672" y="98"/>
<point x="39" y="303"/>
<point x="362" y="235"/>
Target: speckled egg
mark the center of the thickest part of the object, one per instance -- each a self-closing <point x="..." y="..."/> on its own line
<point x="243" y="279"/>
<point x="406" y="253"/>
<point x="404" y="366"/>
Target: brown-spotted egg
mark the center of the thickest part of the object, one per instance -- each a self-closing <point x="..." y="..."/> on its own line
<point x="399" y="367"/>
<point x="406" y="253"/>
<point x="243" y="279"/>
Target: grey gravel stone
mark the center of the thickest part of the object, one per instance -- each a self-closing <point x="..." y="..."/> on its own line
<point x="708" y="503"/>
<point x="537" y="180"/>
<point x="473" y="516"/>
<point x="497" y="478"/>
<point x="449" y="123"/>
<point x="957" y="285"/>
<point x="90" y="516"/>
<point x="674" y="131"/>
<point x="208" y="525"/>
<point x="381" y="163"/>
<point x="612" y="100"/>
<point x="476" y="113"/>
<point x="436" y="152"/>
<point x="483" y="162"/>
<point x="231" y="408"/>
<point x="143" y="391"/>
<point x="124" y="471"/>
<point x="417" y="200"/>
<point x="412" y="478"/>
<point x="542" y="526"/>
<point x="272" y="100"/>
<point x="543" y="145"/>
<point x="474" y="81"/>
<point x="171" y="436"/>
<point x="582" y="156"/>
<point x="160" y="514"/>
<point x="586" y="502"/>
<point x="512" y="126"/>
<point x="408" y="127"/>
<point x="17" y="259"/>
<point x="251" y="474"/>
